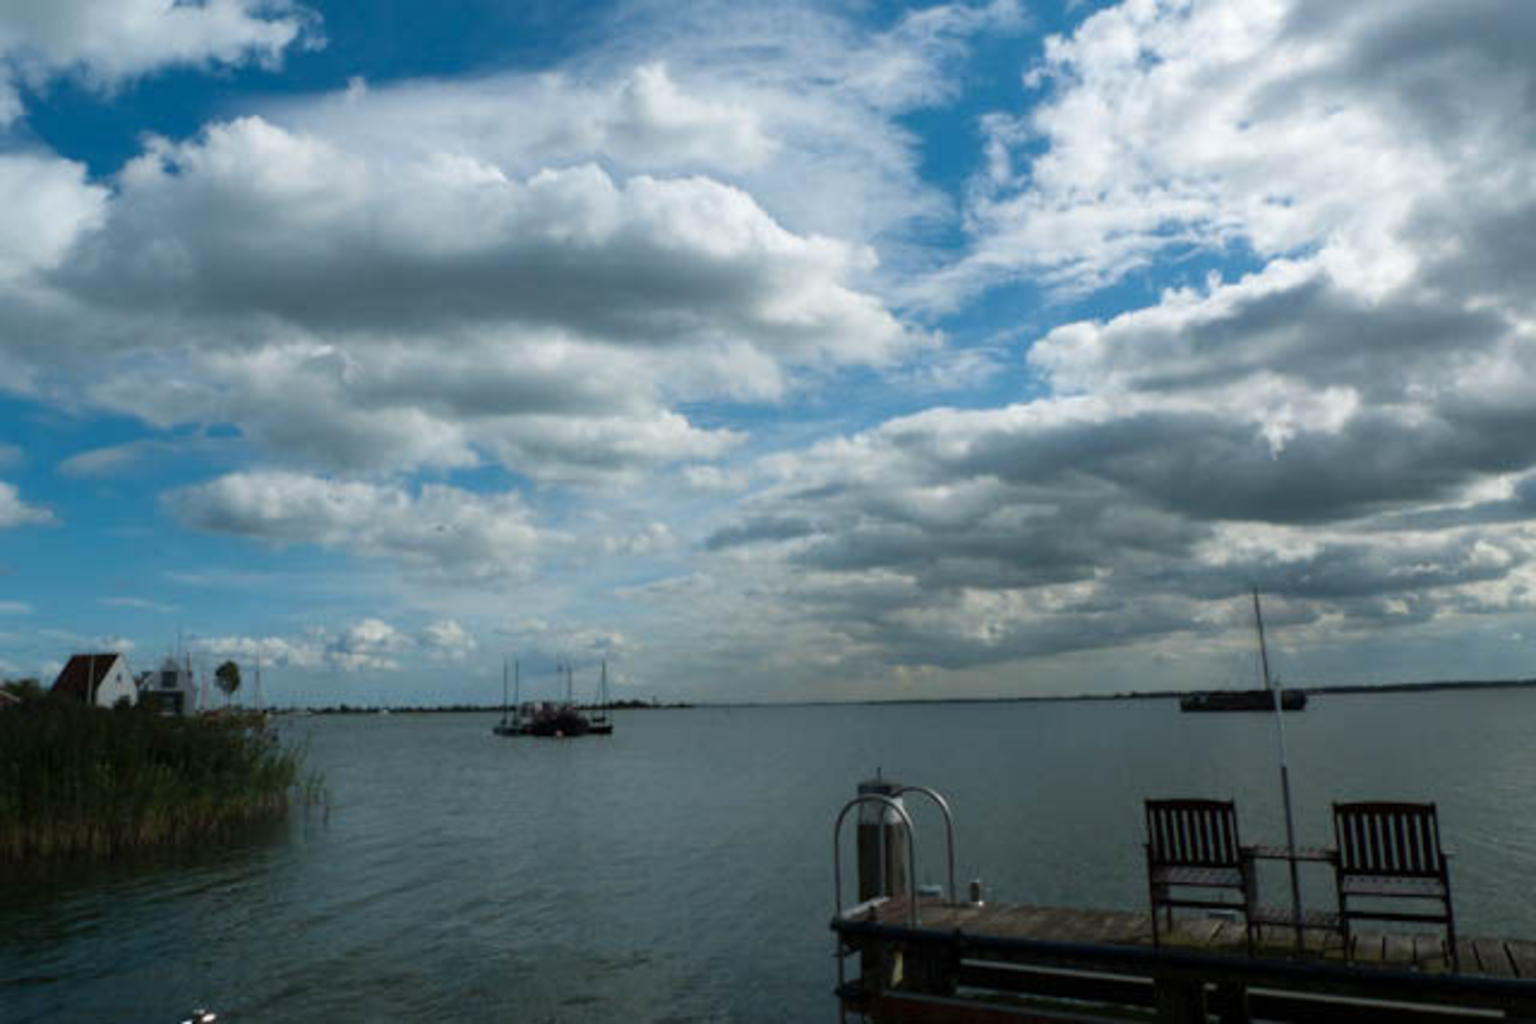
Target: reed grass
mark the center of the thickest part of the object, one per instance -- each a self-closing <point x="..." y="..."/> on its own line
<point x="78" y="782"/>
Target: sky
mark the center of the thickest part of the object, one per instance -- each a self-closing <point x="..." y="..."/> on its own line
<point x="769" y="351"/>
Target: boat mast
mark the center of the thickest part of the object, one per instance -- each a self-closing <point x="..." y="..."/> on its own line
<point x="1276" y="695"/>
<point x="602" y="695"/>
<point x="503" y="689"/>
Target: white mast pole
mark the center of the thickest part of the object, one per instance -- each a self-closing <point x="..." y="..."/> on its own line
<point x="1277" y="696"/>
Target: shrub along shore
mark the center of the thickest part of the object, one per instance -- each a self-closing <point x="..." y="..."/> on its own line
<point x="84" y="782"/>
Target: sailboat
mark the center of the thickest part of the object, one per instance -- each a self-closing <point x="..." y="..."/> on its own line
<point x="602" y="725"/>
<point x="511" y="723"/>
<point x="551" y="718"/>
<point x="1245" y="700"/>
<point x="554" y="718"/>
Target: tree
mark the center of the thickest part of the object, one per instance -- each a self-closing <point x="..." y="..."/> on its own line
<point x="26" y="692"/>
<point x="227" y="676"/>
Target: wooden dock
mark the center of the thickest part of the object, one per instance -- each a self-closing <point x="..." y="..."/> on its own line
<point x="1011" y="963"/>
<point x="1424" y="951"/>
<point x="949" y="961"/>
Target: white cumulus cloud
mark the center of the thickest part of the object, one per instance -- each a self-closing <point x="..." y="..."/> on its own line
<point x="434" y="529"/>
<point x="15" y="512"/>
<point x="447" y="639"/>
<point x="105" y="42"/>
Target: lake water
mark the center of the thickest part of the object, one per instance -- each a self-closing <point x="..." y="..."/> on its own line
<point x="681" y="870"/>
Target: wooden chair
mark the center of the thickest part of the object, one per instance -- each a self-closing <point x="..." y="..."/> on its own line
<point x="1392" y="851"/>
<point x="1193" y="845"/>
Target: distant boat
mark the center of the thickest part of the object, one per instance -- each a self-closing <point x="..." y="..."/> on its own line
<point x="601" y="724"/>
<point x="1245" y="700"/>
<point x="1242" y="700"/>
<point x="511" y="723"/>
<point x="552" y="718"/>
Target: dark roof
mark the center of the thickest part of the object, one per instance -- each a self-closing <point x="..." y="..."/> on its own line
<point x="84" y="671"/>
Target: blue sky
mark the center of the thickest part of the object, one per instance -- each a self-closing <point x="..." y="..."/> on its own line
<point x="768" y="351"/>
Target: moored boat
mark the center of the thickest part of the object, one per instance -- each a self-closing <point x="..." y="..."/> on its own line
<point x="1242" y="700"/>
<point x="601" y="723"/>
<point x="511" y="723"/>
<point x="1247" y="700"/>
<point x="552" y="718"/>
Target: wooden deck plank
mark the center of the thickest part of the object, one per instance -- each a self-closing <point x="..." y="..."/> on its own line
<point x="1522" y="956"/>
<point x="1508" y="958"/>
<point x="1491" y="958"/>
<point x="1130" y="927"/>
<point x="1228" y="934"/>
<point x="1071" y="925"/>
<point x="1368" y="947"/>
<point x="1323" y="943"/>
<point x="1190" y="930"/>
<point x="1047" y="922"/>
<point x="1031" y="922"/>
<point x="1468" y="956"/>
<point x="1012" y="920"/>
<point x="1429" y="951"/>
<point x="1280" y="940"/>
<point x="1397" y="950"/>
<point x="1102" y="927"/>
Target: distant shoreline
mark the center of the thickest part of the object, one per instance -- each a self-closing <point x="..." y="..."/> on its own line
<point x="450" y="709"/>
<point x="1469" y="684"/>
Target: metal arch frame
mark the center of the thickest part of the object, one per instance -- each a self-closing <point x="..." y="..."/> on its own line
<point x="837" y="851"/>
<point x="949" y="828"/>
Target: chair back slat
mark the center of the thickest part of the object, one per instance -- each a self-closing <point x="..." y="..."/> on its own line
<point x="1388" y="839"/>
<point x="1192" y="833"/>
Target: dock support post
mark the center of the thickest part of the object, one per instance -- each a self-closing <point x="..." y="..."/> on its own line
<point x="882" y="844"/>
<point x="882" y="865"/>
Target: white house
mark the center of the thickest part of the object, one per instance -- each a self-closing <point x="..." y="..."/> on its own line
<point x="100" y="679"/>
<point x="170" y="688"/>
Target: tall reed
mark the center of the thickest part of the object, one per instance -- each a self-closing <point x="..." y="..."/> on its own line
<point x="85" y="782"/>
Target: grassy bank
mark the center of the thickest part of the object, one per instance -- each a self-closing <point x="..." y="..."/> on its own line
<point x="80" y="782"/>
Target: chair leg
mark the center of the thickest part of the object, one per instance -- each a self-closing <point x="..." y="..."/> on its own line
<point x="1160" y="898"/>
<point x="1450" y="940"/>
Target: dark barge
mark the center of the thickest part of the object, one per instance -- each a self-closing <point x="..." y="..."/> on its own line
<point x="1242" y="700"/>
